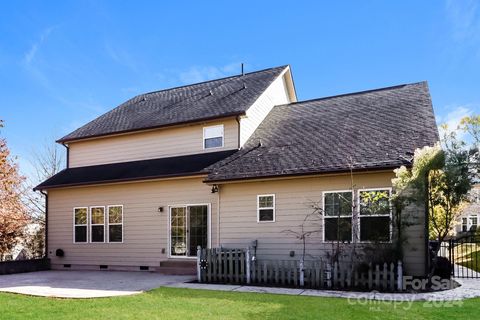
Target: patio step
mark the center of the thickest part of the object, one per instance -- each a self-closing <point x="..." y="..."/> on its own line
<point x="178" y="267"/>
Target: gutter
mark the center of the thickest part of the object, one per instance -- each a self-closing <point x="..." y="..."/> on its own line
<point x="93" y="183"/>
<point x="281" y="176"/>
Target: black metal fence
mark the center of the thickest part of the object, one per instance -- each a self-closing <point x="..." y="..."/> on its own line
<point x="20" y="266"/>
<point x="464" y="255"/>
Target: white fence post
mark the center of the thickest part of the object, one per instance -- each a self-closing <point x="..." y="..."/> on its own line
<point x="329" y="274"/>
<point x="399" y="276"/>
<point x="247" y="262"/>
<point x="199" y="262"/>
<point x="302" y="272"/>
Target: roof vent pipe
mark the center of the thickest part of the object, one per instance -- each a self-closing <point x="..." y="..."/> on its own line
<point x="242" y="68"/>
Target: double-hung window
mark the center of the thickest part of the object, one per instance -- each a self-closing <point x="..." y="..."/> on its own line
<point x="338" y="216"/>
<point x="213" y="137"/>
<point x="473" y="223"/>
<point x="97" y="224"/>
<point x="464" y="224"/>
<point x="115" y="223"/>
<point x="375" y="215"/>
<point x="266" y="208"/>
<point x="80" y="219"/>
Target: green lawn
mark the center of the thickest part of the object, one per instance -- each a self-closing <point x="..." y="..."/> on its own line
<point x="470" y="260"/>
<point x="169" y="303"/>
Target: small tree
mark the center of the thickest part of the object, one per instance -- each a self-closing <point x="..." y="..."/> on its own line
<point x="441" y="180"/>
<point x="314" y="223"/>
<point x="13" y="217"/>
<point x="471" y="125"/>
<point x="449" y="186"/>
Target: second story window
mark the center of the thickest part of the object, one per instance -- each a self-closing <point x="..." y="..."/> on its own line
<point x="213" y="137"/>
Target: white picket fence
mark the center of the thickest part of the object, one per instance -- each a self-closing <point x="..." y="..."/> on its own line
<point x="220" y="265"/>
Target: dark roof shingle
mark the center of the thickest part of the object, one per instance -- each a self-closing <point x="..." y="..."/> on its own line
<point x="135" y="170"/>
<point x="202" y="101"/>
<point x="366" y="130"/>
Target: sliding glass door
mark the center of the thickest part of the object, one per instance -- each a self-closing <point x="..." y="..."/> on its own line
<point x="188" y="229"/>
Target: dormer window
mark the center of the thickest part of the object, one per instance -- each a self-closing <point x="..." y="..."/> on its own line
<point x="213" y="137"/>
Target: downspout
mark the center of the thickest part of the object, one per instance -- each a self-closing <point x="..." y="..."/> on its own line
<point x="238" y="134"/>
<point x="46" y="223"/>
<point x="68" y="154"/>
<point x="427" y="228"/>
<point x="218" y="217"/>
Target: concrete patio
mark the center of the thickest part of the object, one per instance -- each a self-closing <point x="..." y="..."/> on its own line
<point x="86" y="284"/>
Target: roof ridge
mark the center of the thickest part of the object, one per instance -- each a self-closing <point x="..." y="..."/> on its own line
<point x="208" y="81"/>
<point x="356" y="93"/>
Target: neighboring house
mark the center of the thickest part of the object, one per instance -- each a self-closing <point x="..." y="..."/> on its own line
<point x="467" y="222"/>
<point x="230" y="161"/>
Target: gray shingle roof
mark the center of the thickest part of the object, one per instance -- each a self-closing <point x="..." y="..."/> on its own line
<point x="366" y="130"/>
<point x="202" y="101"/>
<point x="178" y="166"/>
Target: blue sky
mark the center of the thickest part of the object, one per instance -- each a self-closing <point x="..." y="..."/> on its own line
<point x="63" y="63"/>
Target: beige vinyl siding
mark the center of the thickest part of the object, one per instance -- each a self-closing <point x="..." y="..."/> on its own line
<point x="145" y="229"/>
<point x="276" y="94"/>
<point x="150" y="144"/>
<point x="294" y="198"/>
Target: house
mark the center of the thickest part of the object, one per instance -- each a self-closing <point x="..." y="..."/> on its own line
<point x="467" y="222"/>
<point x="235" y="162"/>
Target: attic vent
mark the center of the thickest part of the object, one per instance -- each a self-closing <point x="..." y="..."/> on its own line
<point x="102" y="266"/>
<point x="144" y="268"/>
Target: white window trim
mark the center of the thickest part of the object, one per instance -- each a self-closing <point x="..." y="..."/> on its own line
<point x="376" y="215"/>
<point x="469" y="221"/>
<point x="169" y="231"/>
<point x="223" y="136"/>
<point x="113" y="224"/>
<point x="80" y="225"/>
<point x="258" y="208"/>
<point x="324" y="215"/>
<point x="92" y="225"/>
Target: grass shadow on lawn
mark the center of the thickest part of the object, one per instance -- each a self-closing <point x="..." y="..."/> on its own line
<point x="470" y="260"/>
<point x="172" y="303"/>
